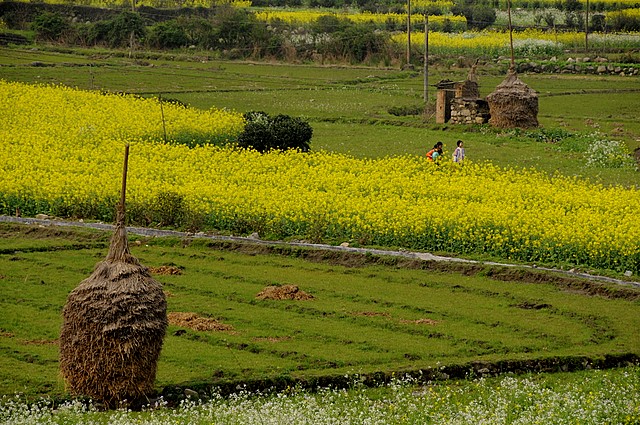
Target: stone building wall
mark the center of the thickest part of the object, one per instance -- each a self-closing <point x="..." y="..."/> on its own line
<point x="469" y="111"/>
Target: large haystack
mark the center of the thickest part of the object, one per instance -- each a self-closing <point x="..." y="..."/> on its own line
<point x="513" y="104"/>
<point x="113" y="328"/>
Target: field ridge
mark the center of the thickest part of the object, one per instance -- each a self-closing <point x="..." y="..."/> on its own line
<point x="422" y="256"/>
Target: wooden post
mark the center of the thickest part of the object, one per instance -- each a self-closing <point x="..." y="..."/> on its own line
<point x="120" y="215"/>
<point x="125" y="167"/>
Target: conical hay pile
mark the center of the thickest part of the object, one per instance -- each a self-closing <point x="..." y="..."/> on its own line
<point x="113" y="328"/>
<point x="114" y="323"/>
<point x="513" y="104"/>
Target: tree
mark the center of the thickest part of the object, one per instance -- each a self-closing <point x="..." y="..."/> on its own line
<point x="264" y="133"/>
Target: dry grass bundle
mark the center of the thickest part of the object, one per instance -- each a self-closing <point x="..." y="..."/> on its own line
<point x="513" y="104"/>
<point x="114" y="324"/>
<point x="165" y="270"/>
<point x="284" y="292"/>
<point x="197" y="323"/>
<point x="420" y="322"/>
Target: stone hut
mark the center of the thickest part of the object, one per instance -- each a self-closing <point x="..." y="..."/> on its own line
<point x="460" y="102"/>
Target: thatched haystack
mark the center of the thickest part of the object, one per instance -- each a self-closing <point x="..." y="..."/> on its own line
<point x="114" y="324"/>
<point x="513" y="104"/>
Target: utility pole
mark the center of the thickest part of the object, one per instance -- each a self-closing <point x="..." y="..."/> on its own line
<point x="132" y="35"/>
<point x="426" y="57"/>
<point x="586" y="29"/>
<point x="513" y="59"/>
<point x="408" y="32"/>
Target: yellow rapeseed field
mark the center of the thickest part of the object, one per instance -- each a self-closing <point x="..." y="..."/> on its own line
<point x="62" y="153"/>
<point x="300" y="17"/>
<point x="490" y="39"/>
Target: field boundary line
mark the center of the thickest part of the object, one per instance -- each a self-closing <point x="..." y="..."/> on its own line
<point x="425" y="256"/>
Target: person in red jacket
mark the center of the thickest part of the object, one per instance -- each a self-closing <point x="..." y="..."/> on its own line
<point x="436" y="148"/>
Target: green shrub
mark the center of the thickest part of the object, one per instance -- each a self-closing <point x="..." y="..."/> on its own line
<point x="117" y="32"/>
<point x="167" y="35"/>
<point x="622" y="21"/>
<point x="329" y="24"/>
<point x="478" y="16"/>
<point x="49" y="26"/>
<point x="357" y="42"/>
<point x="402" y="111"/>
<point x="264" y="133"/>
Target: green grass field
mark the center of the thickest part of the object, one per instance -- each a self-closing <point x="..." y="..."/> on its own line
<point x="368" y="314"/>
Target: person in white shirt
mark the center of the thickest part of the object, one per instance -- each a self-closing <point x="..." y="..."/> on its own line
<point x="458" y="154"/>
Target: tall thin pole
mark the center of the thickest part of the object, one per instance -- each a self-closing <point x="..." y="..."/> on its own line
<point x="132" y="35"/>
<point x="408" y="32"/>
<point x="164" y="126"/>
<point x="586" y="29"/>
<point x="426" y="57"/>
<point x="123" y="193"/>
<point x="513" y="60"/>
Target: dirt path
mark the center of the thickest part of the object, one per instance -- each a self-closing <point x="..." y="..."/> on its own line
<point x="149" y="232"/>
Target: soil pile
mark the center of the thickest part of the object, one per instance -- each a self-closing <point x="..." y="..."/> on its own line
<point x="284" y="292"/>
<point x="165" y="270"/>
<point x="197" y="323"/>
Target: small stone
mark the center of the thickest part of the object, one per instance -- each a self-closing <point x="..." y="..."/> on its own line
<point x="628" y="273"/>
<point x="344" y="244"/>
<point x="189" y="393"/>
<point x="254" y="235"/>
<point x="42" y="217"/>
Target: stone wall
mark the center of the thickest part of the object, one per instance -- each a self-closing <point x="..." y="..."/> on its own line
<point x="586" y="65"/>
<point x="469" y="111"/>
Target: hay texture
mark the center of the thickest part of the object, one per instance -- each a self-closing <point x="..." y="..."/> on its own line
<point x="114" y="324"/>
<point x="513" y="104"/>
<point x="284" y="292"/>
<point x="196" y="322"/>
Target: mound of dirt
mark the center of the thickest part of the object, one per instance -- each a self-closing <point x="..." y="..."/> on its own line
<point x="370" y="314"/>
<point x="272" y="339"/>
<point x="421" y="322"/>
<point x="196" y="323"/>
<point x="165" y="270"/>
<point x="284" y="292"/>
<point x="41" y="342"/>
